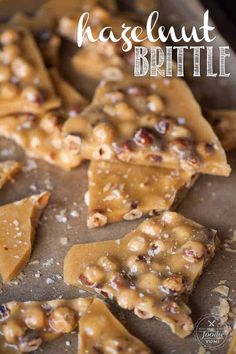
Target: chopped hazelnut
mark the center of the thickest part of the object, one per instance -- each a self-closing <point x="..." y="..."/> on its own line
<point x="171" y="306"/>
<point x="73" y="144"/>
<point x="163" y="126"/>
<point x="22" y="69"/>
<point x="145" y="308"/>
<point x="174" y="283"/>
<point x="9" y="53"/>
<point x="12" y="330"/>
<point x="35" y="318"/>
<point x="155" y="103"/>
<point x="96" y="219"/>
<point x="104" y="133"/>
<point x="194" y="251"/>
<point x="144" y="136"/>
<point x="94" y="275"/>
<point x="133" y="214"/>
<point x="9" y="36"/>
<point x="137" y="244"/>
<point x="137" y="264"/>
<point x="127" y="299"/>
<point x="108" y="263"/>
<point x="33" y="95"/>
<point x="63" y="320"/>
<point x="149" y="282"/>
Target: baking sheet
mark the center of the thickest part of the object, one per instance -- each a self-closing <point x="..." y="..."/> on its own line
<point x="211" y="202"/>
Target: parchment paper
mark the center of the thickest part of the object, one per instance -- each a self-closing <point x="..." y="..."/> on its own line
<point x="212" y="202"/>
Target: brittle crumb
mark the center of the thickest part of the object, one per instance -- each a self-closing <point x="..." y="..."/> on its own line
<point x="63" y="241"/>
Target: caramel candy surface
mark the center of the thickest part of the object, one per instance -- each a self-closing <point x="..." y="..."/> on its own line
<point x="73" y="101"/>
<point x="18" y="222"/>
<point x="8" y="169"/>
<point x="24" y="83"/>
<point x="100" y="331"/>
<point x="25" y="326"/>
<point x="150" y="271"/>
<point x="120" y="191"/>
<point x="224" y="125"/>
<point x="154" y="125"/>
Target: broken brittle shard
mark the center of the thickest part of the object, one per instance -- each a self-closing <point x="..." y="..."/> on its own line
<point x="18" y="222"/>
<point x="8" y="169"/>
<point x="44" y="32"/>
<point x="119" y="191"/>
<point x="25" y="326"/>
<point x="26" y="86"/>
<point x="151" y="271"/>
<point x="41" y="137"/>
<point x="101" y="332"/>
<point x="158" y="124"/>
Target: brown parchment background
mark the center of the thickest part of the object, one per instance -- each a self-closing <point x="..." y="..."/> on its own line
<point x="212" y="202"/>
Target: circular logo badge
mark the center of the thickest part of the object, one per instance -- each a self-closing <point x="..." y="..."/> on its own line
<point x="209" y="332"/>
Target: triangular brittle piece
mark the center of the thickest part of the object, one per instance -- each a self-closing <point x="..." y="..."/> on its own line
<point x="154" y="125"/>
<point x="224" y="125"/>
<point x="8" y="169"/>
<point x="43" y="29"/>
<point x="27" y="325"/>
<point x="18" y="222"/>
<point x="25" y="84"/>
<point x="41" y="137"/>
<point x="149" y="271"/>
<point x="101" y="332"/>
<point x="120" y="191"/>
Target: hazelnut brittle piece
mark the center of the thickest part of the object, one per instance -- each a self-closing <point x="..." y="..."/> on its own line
<point x="101" y="332"/>
<point x="18" y="222"/>
<point x="41" y="137"/>
<point x="150" y="271"/>
<point x="121" y="191"/>
<point x="8" y="169"/>
<point x="25" y="326"/>
<point x="44" y="30"/>
<point x="24" y="83"/>
<point x="157" y="125"/>
<point x="224" y="125"/>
